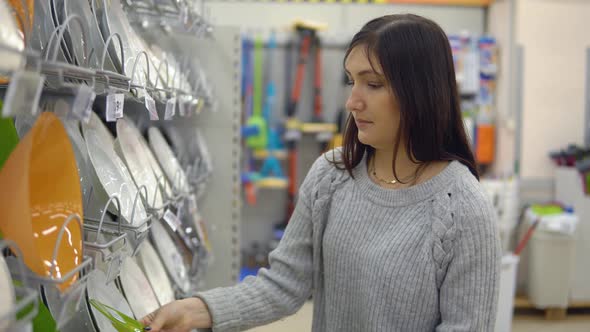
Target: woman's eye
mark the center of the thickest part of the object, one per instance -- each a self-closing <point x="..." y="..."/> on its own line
<point x="350" y="82"/>
<point x="375" y="85"/>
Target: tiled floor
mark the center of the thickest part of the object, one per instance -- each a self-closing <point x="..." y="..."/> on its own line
<point x="301" y="322"/>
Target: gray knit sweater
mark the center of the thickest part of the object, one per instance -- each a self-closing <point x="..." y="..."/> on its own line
<point x="425" y="258"/>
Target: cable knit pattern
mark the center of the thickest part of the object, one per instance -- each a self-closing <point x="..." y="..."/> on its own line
<point x="445" y="231"/>
<point x="425" y="258"/>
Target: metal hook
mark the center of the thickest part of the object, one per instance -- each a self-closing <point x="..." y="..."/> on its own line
<point x="65" y="25"/>
<point x="167" y="73"/>
<point x="50" y="42"/>
<point x="71" y="217"/>
<point x="106" y="47"/>
<point x="117" y="205"/>
<point x="106" y="43"/>
<point x="147" y="60"/>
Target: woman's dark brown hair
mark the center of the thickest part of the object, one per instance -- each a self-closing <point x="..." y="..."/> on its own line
<point x="417" y="62"/>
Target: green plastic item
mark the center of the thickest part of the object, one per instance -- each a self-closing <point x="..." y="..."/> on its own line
<point x="120" y="321"/>
<point x="8" y="138"/>
<point x="258" y="141"/>
<point x="44" y="321"/>
<point x="546" y="210"/>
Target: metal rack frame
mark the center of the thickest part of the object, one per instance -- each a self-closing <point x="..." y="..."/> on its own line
<point x="221" y="205"/>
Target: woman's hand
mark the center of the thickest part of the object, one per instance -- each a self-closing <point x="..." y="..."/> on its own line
<point x="181" y="315"/>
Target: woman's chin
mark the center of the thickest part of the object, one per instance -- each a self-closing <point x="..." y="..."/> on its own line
<point x="364" y="138"/>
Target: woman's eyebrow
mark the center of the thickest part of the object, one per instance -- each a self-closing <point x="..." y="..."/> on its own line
<point x="364" y="72"/>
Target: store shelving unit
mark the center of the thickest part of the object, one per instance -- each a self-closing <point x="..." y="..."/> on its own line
<point x="213" y="56"/>
<point x="221" y="205"/>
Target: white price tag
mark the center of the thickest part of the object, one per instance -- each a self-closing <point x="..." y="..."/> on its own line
<point x="170" y="108"/>
<point x="83" y="103"/>
<point x="150" y="104"/>
<point x="171" y="220"/>
<point x="23" y="94"/>
<point x="115" y="102"/>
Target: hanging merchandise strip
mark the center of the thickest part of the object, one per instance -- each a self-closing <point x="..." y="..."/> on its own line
<point x="26" y="90"/>
<point x="49" y="81"/>
<point x="183" y="17"/>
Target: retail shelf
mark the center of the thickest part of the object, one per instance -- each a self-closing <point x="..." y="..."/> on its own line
<point x="272" y="183"/>
<point x="316" y="128"/>
<point x="263" y="154"/>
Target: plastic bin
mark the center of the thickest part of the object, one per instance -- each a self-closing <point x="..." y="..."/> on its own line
<point x="568" y="190"/>
<point x="507" y="291"/>
<point x="552" y="261"/>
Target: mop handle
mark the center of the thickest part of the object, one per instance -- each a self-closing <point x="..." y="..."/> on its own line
<point x="526" y="238"/>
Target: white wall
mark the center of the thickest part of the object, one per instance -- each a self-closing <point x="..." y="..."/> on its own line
<point x="555" y="35"/>
<point x="343" y="19"/>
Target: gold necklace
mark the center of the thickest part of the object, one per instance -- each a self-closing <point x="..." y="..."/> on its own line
<point x="394" y="181"/>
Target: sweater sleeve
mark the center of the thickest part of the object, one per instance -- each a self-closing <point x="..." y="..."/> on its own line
<point x="283" y="288"/>
<point x="470" y="284"/>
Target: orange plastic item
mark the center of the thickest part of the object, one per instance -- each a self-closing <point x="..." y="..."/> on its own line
<point x="39" y="190"/>
<point x="21" y="17"/>
<point x="485" y="143"/>
<point x="250" y="191"/>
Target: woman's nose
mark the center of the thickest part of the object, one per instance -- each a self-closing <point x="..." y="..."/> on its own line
<point x="354" y="103"/>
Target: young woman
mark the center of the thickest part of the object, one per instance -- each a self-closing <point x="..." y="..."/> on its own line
<point x="393" y="231"/>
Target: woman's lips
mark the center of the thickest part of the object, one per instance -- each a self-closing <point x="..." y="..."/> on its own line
<point x="361" y="124"/>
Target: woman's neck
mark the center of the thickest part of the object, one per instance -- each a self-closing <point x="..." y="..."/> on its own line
<point x="404" y="167"/>
<point x="408" y="172"/>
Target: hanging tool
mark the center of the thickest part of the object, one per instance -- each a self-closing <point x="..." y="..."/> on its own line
<point x="258" y="141"/>
<point x="292" y="126"/>
<point x="324" y="130"/>
<point x="248" y="178"/>
<point x="271" y="165"/>
<point x="307" y="34"/>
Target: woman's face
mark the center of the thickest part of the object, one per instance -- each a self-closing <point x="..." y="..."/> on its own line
<point x="371" y="102"/>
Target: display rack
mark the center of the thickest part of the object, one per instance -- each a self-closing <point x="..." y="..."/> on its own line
<point x="213" y="56"/>
<point x="220" y="55"/>
<point x="221" y="205"/>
